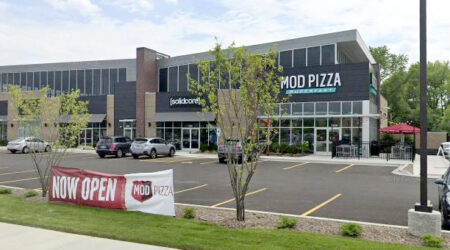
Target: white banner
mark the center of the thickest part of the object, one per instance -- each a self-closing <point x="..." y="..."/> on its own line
<point x="150" y="192"/>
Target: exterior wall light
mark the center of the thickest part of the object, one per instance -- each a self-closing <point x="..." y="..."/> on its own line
<point x="149" y="124"/>
<point x="109" y="124"/>
<point x="45" y="124"/>
<point x="12" y="125"/>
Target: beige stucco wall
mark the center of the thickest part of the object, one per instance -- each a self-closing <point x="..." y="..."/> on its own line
<point x="434" y="139"/>
<point x="110" y="115"/>
<point x="150" y="111"/>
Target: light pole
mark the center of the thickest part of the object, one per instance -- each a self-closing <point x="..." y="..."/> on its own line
<point x="423" y="206"/>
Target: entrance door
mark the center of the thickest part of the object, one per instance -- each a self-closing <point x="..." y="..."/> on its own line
<point x="128" y="132"/>
<point x="190" y="138"/>
<point x="321" y="145"/>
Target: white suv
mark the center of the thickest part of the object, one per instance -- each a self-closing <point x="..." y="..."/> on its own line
<point x="152" y="147"/>
<point x="28" y="144"/>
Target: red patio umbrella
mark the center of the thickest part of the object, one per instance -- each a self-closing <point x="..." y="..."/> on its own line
<point x="401" y="128"/>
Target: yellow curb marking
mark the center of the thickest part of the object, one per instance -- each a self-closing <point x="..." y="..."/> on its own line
<point x="19" y="172"/>
<point x="314" y="209"/>
<point x="347" y="167"/>
<point x="230" y="200"/>
<point x="4" y="182"/>
<point x="298" y="165"/>
<point x="190" y="189"/>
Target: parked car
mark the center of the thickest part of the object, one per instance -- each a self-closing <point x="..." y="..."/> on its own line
<point x="151" y="147"/>
<point x="232" y="149"/>
<point x="116" y="145"/>
<point x="444" y="198"/>
<point x="445" y="147"/>
<point x="27" y="145"/>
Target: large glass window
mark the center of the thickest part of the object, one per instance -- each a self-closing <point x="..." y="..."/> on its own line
<point x="58" y="82"/>
<point x="285" y="135"/>
<point x="43" y="79"/>
<point x="321" y="108"/>
<point x="314" y="56"/>
<point x="23" y="80"/>
<point x="308" y="108"/>
<point x="173" y="79"/>
<point x="163" y="80"/>
<point x="80" y="82"/>
<point x="17" y="79"/>
<point x="297" y="108"/>
<point x="296" y="136"/>
<point x="286" y="59"/>
<point x="308" y="138"/>
<point x="122" y="75"/>
<point x="193" y="71"/>
<point x="285" y="109"/>
<point x="36" y="80"/>
<point x="183" y="84"/>
<point x="357" y="108"/>
<point x="297" y="122"/>
<point x="346" y="108"/>
<point x="321" y="122"/>
<point x="29" y="80"/>
<point x="334" y="108"/>
<point x="299" y="58"/>
<point x="328" y="55"/>
<point x="308" y="122"/>
<point x="51" y="80"/>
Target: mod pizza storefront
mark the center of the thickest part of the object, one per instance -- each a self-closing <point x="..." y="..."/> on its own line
<point x="326" y="104"/>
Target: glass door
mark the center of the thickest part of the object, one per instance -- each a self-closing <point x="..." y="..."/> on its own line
<point x="191" y="138"/>
<point x="321" y="145"/>
<point x="334" y="135"/>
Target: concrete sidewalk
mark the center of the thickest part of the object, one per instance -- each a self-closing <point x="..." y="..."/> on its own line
<point x="22" y="237"/>
<point x="436" y="166"/>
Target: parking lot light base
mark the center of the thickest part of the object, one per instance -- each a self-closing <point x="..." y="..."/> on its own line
<point x="421" y="223"/>
<point x="426" y="209"/>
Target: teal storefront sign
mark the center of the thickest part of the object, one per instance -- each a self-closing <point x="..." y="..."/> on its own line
<point x="311" y="91"/>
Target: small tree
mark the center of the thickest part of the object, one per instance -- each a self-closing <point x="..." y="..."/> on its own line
<point x="236" y="86"/>
<point x="59" y="120"/>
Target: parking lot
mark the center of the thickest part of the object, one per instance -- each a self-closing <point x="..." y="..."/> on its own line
<point x="340" y="191"/>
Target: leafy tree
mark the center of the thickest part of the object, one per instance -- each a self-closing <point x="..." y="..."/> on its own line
<point x="235" y="86"/>
<point x="57" y="119"/>
<point x="389" y="62"/>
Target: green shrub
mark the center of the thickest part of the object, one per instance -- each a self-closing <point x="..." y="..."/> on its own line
<point x="3" y="143"/>
<point x="305" y="148"/>
<point x="283" y="148"/>
<point x="274" y="147"/>
<point x="31" y="193"/>
<point x="351" y="229"/>
<point x="430" y="240"/>
<point x="189" y="213"/>
<point x="204" y="147"/>
<point x="289" y="149"/>
<point x="287" y="222"/>
<point x="212" y="147"/>
<point x="5" y="191"/>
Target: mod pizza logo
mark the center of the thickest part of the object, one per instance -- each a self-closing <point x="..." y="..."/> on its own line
<point x="142" y="190"/>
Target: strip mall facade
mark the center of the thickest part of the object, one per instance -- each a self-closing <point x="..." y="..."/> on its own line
<point x="332" y="80"/>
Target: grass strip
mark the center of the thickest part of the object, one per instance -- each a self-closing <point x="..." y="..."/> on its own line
<point x="166" y="231"/>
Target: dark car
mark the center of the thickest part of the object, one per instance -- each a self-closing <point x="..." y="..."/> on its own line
<point x="116" y="145"/>
<point x="232" y="149"/>
<point x="444" y="198"/>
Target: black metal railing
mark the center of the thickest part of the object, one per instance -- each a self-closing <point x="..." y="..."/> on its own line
<point x="387" y="151"/>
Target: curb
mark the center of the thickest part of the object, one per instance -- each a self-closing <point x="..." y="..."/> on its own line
<point x="306" y="217"/>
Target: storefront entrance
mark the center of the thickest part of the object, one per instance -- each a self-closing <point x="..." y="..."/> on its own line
<point x="129" y="128"/>
<point x="191" y="138"/>
<point x="323" y="138"/>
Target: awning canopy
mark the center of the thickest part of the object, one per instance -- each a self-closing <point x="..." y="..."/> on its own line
<point x="401" y="128"/>
<point x="184" y="117"/>
<point x="95" y="118"/>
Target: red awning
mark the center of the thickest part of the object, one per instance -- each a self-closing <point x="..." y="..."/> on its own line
<point x="401" y="128"/>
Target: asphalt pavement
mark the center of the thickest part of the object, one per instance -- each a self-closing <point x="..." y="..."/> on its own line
<point x="341" y="191"/>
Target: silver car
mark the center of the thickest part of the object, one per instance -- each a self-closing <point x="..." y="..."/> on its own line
<point x="151" y="147"/>
<point x="28" y="144"/>
<point x="445" y="147"/>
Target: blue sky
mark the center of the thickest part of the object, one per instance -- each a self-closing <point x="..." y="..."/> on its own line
<point x="37" y="31"/>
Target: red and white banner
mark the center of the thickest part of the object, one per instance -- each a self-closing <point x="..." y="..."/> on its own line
<point x="146" y="192"/>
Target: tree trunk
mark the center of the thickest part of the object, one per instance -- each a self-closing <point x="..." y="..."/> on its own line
<point x="240" y="209"/>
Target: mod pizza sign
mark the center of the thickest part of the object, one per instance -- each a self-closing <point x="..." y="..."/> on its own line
<point x="145" y="192"/>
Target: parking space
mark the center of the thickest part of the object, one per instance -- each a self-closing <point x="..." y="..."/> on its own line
<point x="342" y="191"/>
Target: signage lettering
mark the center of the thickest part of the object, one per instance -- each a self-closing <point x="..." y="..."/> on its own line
<point x="311" y="83"/>
<point x="183" y="101"/>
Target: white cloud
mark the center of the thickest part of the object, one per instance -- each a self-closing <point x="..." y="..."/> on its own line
<point x="133" y="5"/>
<point x="85" y="7"/>
<point x="394" y="23"/>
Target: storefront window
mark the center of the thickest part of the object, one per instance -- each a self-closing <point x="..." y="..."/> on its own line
<point x="297" y="122"/>
<point x="275" y="123"/>
<point x="321" y="108"/>
<point x="160" y="132"/>
<point x="356" y="135"/>
<point x="203" y="136"/>
<point x="297" y="108"/>
<point x="285" y="134"/>
<point x="308" y="122"/>
<point x="357" y="108"/>
<point x="321" y="122"/>
<point x="308" y="137"/>
<point x="285" y="123"/>
<point x="357" y="122"/>
<point x="296" y="136"/>
<point x="285" y="109"/>
<point x="346" y="122"/>
<point x="308" y="109"/>
<point x="346" y="135"/>
<point x="335" y="122"/>
<point x="168" y="134"/>
<point x="334" y="108"/>
<point x="346" y="108"/>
